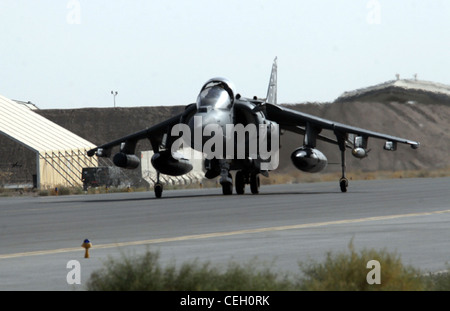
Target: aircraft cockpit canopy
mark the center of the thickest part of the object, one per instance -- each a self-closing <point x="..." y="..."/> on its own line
<point x="216" y="93"/>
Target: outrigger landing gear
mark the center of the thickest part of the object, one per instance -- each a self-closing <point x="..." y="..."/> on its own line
<point x="343" y="182"/>
<point x="158" y="187"/>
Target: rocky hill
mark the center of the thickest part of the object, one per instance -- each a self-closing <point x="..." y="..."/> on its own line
<point x="411" y="109"/>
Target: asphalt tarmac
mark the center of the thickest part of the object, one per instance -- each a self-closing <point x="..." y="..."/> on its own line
<point x="41" y="237"/>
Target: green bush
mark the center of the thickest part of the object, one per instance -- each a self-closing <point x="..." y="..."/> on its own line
<point x="347" y="271"/>
<point x="344" y="271"/>
<point x="145" y="273"/>
<point x="437" y="281"/>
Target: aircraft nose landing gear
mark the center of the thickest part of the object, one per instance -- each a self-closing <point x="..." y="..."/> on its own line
<point x="227" y="185"/>
<point x="226" y="180"/>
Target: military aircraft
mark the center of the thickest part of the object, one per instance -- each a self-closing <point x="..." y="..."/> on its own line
<point x="208" y="125"/>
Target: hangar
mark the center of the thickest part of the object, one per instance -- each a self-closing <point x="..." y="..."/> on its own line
<point x="60" y="154"/>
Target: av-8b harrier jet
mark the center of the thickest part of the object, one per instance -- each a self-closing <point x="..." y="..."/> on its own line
<point x="234" y="133"/>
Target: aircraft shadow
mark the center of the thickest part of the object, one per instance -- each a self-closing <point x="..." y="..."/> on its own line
<point x="204" y="195"/>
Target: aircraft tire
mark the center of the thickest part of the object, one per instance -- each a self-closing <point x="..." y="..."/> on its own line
<point x="158" y="190"/>
<point x="227" y="188"/>
<point x="343" y="183"/>
<point x="240" y="182"/>
<point x="254" y="183"/>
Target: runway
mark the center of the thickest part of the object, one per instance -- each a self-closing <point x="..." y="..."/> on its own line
<point x="283" y="225"/>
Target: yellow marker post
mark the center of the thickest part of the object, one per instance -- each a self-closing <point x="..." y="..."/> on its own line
<point x="87" y="245"/>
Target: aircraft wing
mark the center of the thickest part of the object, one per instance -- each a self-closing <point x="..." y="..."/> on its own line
<point x="155" y="134"/>
<point x="301" y="131"/>
<point x="291" y="120"/>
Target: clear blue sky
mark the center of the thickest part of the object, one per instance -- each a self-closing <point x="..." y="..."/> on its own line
<point x="72" y="53"/>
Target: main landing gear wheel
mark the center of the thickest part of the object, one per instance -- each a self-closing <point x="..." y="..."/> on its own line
<point x="158" y="190"/>
<point x="240" y="182"/>
<point x="254" y="183"/>
<point x="343" y="183"/>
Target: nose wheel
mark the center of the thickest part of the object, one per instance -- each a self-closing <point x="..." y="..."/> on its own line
<point x="226" y="180"/>
<point x="227" y="185"/>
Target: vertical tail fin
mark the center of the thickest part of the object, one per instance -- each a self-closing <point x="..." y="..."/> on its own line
<point x="271" y="97"/>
